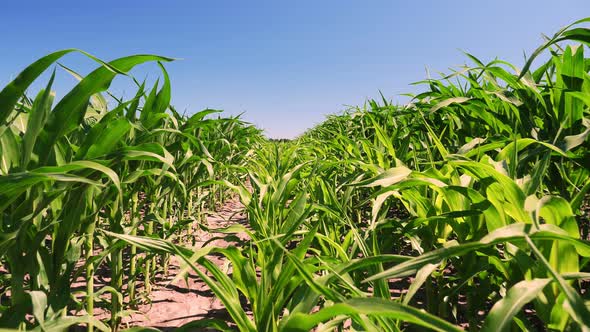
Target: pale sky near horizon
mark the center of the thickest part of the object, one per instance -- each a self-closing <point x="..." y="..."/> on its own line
<point x="285" y="65"/>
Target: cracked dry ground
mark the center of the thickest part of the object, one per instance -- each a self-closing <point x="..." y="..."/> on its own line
<point x="176" y="304"/>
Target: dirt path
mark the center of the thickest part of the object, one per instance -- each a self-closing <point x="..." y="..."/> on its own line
<point x="179" y="303"/>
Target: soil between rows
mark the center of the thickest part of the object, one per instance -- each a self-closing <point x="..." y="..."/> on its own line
<point x="173" y="303"/>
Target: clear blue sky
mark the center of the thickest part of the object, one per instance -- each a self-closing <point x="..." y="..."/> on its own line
<point x="286" y="64"/>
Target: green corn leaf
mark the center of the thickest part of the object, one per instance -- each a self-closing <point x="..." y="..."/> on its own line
<point x="421" y="277"/>
<point x="387" y="178"/>
<point x="97" y="100"/>
<point x="576" y="308"/>
<point x="15" y="89"/>
<point x="37" y="118"/>
<point x="510" y="233"/>
<point x="70" y="111"/>
<point x="500" y="316"/>
<point x="9" y="151"/>
<point x="103" y="138"/>
<point x="562" y="35"/>
<point x="62" y="323"/>
<point x="447" y="102"/>
<point x="373" y="307"/>
<point x="210" y="323"/>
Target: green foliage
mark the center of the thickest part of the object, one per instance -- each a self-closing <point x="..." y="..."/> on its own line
<point x="73" y="171"/>
<point x="461" y="209"/>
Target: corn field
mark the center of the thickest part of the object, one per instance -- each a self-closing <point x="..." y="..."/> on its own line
<point x="466" y="209"/>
